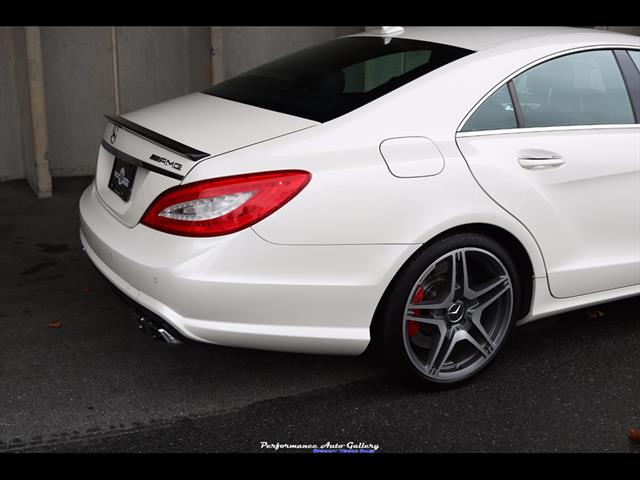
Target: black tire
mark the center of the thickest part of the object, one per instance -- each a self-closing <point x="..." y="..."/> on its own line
<point x="391" y="314"/>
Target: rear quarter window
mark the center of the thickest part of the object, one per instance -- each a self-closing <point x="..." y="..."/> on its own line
<point x="495" y="113"/>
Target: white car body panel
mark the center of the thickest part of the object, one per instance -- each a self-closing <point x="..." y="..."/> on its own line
<point x="212" y="124"/>
<point x="240" y="290"/>
<point x="409" y="157"/>
<point x="544" y="304"/>
<point x="309" y="277"/>
<point x="584" y="214"/>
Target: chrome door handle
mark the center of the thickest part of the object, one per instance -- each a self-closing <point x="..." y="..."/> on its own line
<point x="534" y="162"/>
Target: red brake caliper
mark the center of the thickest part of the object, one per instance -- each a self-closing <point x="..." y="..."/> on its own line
<point x="413" y="327"/>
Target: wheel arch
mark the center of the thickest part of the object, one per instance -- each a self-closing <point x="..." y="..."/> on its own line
<point x="509" y="241"/>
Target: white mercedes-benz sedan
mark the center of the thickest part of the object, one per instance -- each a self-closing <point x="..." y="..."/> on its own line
<point x="421" y="190"/>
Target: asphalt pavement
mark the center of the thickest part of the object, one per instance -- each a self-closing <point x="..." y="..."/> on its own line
<point x="77" y="376"/>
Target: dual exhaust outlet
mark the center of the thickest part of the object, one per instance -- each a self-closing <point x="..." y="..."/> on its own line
<point x="154" y="329"/>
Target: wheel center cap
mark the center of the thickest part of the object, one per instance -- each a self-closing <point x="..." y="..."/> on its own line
<point x="455" y="312"/>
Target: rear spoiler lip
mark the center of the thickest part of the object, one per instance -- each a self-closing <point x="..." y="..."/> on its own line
<point x="178" y="148"/>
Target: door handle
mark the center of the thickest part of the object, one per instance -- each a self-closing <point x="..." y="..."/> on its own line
<point x="538" y="162"/>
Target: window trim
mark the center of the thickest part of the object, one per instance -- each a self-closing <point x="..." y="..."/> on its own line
<point x="592" y="48"/>
<point x="631" y="77"/>
<point x="559" y="128"/>
<point x="515" y="103"/>
<point x="632" y="60"/>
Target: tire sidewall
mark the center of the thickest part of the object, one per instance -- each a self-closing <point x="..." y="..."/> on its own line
<point x="393" y="312"/>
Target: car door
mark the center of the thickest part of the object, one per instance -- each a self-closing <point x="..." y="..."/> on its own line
<point x="558" y="147"/>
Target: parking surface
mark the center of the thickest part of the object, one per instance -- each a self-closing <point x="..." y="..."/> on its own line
<point x="76" y="376"/>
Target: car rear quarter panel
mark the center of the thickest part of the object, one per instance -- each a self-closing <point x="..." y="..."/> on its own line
<point x="353" y="199"/>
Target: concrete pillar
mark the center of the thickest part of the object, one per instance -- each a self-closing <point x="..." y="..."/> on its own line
<point x="39" y="177"/>
<point x="116" y="74"/>
<point x="217" y="66"/>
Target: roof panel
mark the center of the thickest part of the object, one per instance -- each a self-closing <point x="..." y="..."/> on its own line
<point x="481" y="38"/>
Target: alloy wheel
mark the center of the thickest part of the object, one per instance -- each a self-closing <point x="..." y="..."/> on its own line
<point x="458" y="314"/>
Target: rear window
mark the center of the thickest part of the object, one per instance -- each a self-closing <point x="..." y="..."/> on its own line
<point x="328" y="80"/>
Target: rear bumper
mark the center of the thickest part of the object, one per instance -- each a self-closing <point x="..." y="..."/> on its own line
<point x="145" y="319"/>
<point x="239" y="290"/>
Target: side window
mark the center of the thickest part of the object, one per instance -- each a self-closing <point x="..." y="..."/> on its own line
<point x="584" y="88"/>
<point x="496" y="113"/>
<point x="635" y="56"/>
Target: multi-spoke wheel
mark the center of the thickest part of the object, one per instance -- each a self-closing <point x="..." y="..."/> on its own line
<point x="451" y="309"/>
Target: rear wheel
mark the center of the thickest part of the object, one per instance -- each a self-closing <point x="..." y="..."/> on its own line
<point x="450" y="310"/>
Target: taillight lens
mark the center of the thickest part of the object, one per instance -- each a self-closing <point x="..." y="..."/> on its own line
<point x="224" y="205"/>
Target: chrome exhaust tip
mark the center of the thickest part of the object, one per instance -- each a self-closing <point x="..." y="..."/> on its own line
<point x="167" y="337"/>
<point x="151" y="329"/>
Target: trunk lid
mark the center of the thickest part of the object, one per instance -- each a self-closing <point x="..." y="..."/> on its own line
<point x="165" y="141"/>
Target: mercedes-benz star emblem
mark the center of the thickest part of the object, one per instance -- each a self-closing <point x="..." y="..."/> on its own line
<point x="455" y="312"/>
<point x="114" y="134"/>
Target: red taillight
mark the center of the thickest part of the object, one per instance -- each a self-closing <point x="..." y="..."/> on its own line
<point x="224" y="205"/>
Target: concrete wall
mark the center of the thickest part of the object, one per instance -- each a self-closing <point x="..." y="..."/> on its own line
<point x="78" y="90"/>
<point x="627" y="30"/>
<point x="15" y="121"/>
<point x="10" y="148"/>
<point x="154" y="64"/>
<point x="159" y="63"/>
